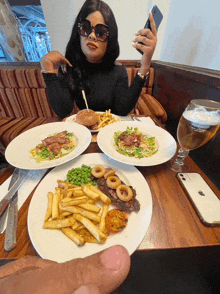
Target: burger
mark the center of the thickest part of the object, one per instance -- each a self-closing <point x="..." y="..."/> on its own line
<point x="87" y="118"/>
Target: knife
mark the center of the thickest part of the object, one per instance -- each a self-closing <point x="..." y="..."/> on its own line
<point x="4" y="215"/>
<point x="12" y="224"/>
<point x="5" y="201"/>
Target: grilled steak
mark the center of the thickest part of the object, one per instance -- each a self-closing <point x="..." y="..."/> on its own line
<point x="129" y="206"/>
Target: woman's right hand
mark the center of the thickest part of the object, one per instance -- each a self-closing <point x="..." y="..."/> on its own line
<point x="52" y="60"/>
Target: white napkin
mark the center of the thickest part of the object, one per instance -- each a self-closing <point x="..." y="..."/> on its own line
<point x="33" y="178"/>
<point x="147" y="120"/>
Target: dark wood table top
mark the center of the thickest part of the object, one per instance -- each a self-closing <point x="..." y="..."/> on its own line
<point x="174" y="223"/>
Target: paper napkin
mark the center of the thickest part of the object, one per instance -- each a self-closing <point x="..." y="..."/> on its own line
<point x="33" y="178"/>
<point x="147" y="120"/>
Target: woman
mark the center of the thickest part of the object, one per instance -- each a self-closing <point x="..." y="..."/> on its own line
<point x="89" y="65"/>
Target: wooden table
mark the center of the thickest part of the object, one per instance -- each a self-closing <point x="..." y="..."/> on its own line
<point x="174" y="223"/>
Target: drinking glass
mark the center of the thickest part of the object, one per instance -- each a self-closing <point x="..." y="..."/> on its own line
<point x="198" y="124"/>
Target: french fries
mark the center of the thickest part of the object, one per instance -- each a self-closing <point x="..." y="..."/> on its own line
<point x="49" y="206"/>
<point x="76" y="238"/>
<point x="74" y="211"/>
<point x="105" y="118"/>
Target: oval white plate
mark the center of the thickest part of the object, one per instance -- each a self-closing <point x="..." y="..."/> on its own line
<point x="17" y="153"/>
<point x="73" y="117"/>
<point x="166" y="143"/>
<point x="54" y="245"/>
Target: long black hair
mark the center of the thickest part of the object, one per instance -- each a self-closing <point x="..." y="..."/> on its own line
<point x="78" y="74"/>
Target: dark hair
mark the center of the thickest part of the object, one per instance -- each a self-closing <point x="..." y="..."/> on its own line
<point x="73" y="50"/>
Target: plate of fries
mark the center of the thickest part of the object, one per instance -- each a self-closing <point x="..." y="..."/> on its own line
<point x="105" y="118"/>
<point x="55" y="217"/>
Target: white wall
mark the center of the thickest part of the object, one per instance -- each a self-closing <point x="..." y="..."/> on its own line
<point x="189" y="33"/>
<point x="60" y="16"/>
<point x="131" y="16"/>
<point x="192" y="34"/>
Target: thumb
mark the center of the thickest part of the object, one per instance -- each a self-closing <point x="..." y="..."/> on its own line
<point x="111" y="268"/>
<point x="99" y="273"/>
<point x="89" y="289"/>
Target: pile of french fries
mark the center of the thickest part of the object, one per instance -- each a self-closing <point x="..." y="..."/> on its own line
<point x="79" y="212"/>
<point x="105" y="119"/>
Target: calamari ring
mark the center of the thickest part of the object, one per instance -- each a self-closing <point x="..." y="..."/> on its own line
<point x="109" y="173"/>
<point x="124" y="193"/>
<point x="98" y="171"/>
<point x="116" y="220"/>
<point x="113" y="182"/>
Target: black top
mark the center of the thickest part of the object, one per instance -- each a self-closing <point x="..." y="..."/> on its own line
<point x="109" y="90"/>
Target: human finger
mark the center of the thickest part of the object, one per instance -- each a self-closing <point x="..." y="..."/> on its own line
<point x="55" y="57"/>
<point x="23" y="263"/>
<point x="67" y="61"/>
<point x="146" y="40"/>
<point x="105" y="270"/>
<point x="152" y="24"/>
<point x="88" y="289"/>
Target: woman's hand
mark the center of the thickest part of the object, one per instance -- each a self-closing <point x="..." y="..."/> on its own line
<point x="149" y="39"/>
<point x="99" y="273"/>
<point x="53" y="60"/>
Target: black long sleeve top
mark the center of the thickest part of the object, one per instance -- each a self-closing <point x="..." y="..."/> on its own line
<point x="109" y="90"/>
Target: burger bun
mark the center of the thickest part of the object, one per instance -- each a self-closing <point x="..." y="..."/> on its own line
<point x="87" y="118"/>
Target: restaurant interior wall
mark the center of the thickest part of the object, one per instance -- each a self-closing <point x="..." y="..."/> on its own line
<point x="189" y="33"/>
<point x="192" y="35"/>
<point x="131" y="15"/>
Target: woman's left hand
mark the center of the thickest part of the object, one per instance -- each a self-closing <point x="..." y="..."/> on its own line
<point x="149" y="40"/>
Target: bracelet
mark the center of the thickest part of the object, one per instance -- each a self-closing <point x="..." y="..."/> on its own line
<point x="46" y="71"/>
<point x="143" y="77"/>
<point x="47" y="59"/>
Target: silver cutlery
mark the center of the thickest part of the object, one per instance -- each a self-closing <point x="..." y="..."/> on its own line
<point x="5" y="201"/>
<point x="12" y="224"/>
<point x="3" y="220"/>
<point x="5" y="213"/>
<point x="136" y="119"/>
<point x="156" y="123"/>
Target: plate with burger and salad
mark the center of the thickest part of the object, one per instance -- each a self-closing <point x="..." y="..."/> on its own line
<point x="93" y="120"/>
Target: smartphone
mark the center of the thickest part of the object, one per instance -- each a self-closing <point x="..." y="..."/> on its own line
<point x="158" y="16"/>
<point x="204" y="200"/>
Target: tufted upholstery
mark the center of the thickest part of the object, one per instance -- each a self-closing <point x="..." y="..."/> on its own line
<point x="23" y="93"/>
<point x="24" y="102"/>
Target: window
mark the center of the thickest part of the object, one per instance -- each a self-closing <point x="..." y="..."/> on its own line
<point x="34" y="33"/>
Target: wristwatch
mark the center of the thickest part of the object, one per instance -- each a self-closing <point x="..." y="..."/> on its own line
<point x="143" y="77"/>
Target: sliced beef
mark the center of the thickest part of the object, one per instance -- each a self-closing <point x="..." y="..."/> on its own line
<point x="55" y="147"/>
<point x="131" y="140"/>
<point x="129" y="206"/>
<point x="56" y="142"/>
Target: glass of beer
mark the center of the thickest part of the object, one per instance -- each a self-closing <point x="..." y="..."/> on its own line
<point x="199" y="122"/>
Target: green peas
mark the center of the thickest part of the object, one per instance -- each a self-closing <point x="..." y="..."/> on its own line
<point x="80" y="176"/>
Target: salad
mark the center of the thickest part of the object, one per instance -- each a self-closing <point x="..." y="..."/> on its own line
<point x="133" y="143"/>
<point x="54" y="146"/>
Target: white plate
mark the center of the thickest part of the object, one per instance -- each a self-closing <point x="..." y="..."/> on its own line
<point x="166" y="143"/>
<point x="53" y="245"/>
<point x="73" y="117"/>
<point x="17" y="152"/>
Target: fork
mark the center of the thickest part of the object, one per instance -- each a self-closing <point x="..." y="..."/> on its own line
<point x="136" y="119"/>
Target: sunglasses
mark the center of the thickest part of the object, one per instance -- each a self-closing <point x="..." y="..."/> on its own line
<point x="85" y="28"/>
